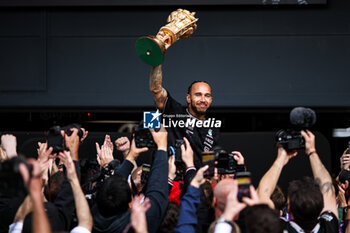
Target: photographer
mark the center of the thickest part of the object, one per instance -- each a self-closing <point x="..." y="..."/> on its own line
<point x="112" y="211"/>
<point x="312" y="204"/>
<point x="198" y="99"/>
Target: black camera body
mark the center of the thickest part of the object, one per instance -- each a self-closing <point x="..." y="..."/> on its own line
<point x="290" y="139"/>
<point x="225" y="162"/>
<point x="11" y="182"/>
<point x="143" y="137"/>
<point x="55" y="138"/>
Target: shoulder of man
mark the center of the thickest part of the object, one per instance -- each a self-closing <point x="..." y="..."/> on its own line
<point x="171" y="105"/>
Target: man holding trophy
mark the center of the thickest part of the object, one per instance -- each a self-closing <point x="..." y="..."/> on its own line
<point x="151" y="49"/>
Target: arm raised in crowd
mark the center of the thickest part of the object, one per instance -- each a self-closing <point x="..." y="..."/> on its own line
<point x="40" y="219"/>
<point x="82" y="207"/>
<point x="189" y="203"/>
<point x="138" y="213"/>
<point x="269" y="181"/>
<point x="155" y="85"/>
<point x="64" y="201"/>
<point x="320" y="173"/>
<point x="130" y="160"/>
<point x="157" y="189"/>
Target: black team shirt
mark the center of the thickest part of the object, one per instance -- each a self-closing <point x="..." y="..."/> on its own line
<point x="201" y="138"/>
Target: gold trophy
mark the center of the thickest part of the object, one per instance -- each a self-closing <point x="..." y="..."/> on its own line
<point x="151" y="49"/>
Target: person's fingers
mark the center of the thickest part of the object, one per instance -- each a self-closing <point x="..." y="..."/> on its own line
<point x="171" y="159"/>
<point x="49" y="151"/>
<point x="143" y="149"/>
<point x="304" y="134"/>
<point x="188" y="145"/>
<point x="183" y="150"/>
<point x="203" y="169"/>
<point x="98" y="149"/>
<point x="234" y="190"/>
<point x="253" y="193"/>
<point x="237" y="153"/>
<point x="146" y="204"/>
<point x="248" y="201"/>
<point x="74" y="132"/>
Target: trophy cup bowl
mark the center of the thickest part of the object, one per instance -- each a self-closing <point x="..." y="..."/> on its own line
<point x="151" y="49"/>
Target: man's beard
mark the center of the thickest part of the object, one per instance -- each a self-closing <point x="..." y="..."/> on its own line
<point x="197" y="111"/>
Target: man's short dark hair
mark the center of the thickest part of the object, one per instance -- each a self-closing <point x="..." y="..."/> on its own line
<point x="278" y="198"/>
<point x="305" y="199"/>
<point x="113" y="196"/>
<point x="194" y="82"/>
<point x="262" y="219"/>
<point x="52" y="189"/>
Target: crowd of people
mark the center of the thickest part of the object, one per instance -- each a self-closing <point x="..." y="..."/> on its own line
<point x="40" y="195"/>
<point x="55" y="193"/>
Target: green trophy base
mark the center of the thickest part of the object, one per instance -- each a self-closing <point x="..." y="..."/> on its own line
<point x="149" y="50"/>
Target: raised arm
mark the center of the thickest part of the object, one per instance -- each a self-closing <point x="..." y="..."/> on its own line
<point x="82" y="207"/>
<point x="269" y="181"/>
<point x="320" y="173"/>
<point x="155" y="86"/>
<point x="40" y="222"/>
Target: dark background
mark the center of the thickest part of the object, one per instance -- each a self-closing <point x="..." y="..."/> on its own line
<point x="62" y="63"/>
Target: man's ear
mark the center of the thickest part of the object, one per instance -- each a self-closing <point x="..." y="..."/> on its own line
<point x="188" y="98"/>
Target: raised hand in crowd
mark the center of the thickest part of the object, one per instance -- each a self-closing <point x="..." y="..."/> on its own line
<point x="104" y="154"/>
<point x="187" y="153"/>
<point x="108" y="143"/>
<point x="238" y="157"/>
<point x="345" y="160"/>
<point x="85" y="134"/>
<point x="139" y="207"/>
<point x="172" y="168"/>
<point x="82" y="206"/>
<point x="321" y="175"/>
<point x="123" y="145"/>
<point x="199" y="179"/>
<point x="160" y="138"/>
<point x="269" y="181"/>
<point x="34" y="186"/>
<point x="45" y="159"/>
<point x="233" y="206"/>
<point x="72" y="143"/>
<point x="134" y="152"/>
<point x="9" y="144"/>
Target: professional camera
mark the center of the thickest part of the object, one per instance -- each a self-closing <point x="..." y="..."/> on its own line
<point x="290" y="139"/>
<point x="55" y="138"/>
<point x="301" y="118"/>
<point x="11" y="182"/>
<point x="225" y="162"/>
<point x="143" y="137"/>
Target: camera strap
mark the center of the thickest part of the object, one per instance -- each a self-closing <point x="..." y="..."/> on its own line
<point x="298" y="229"/>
